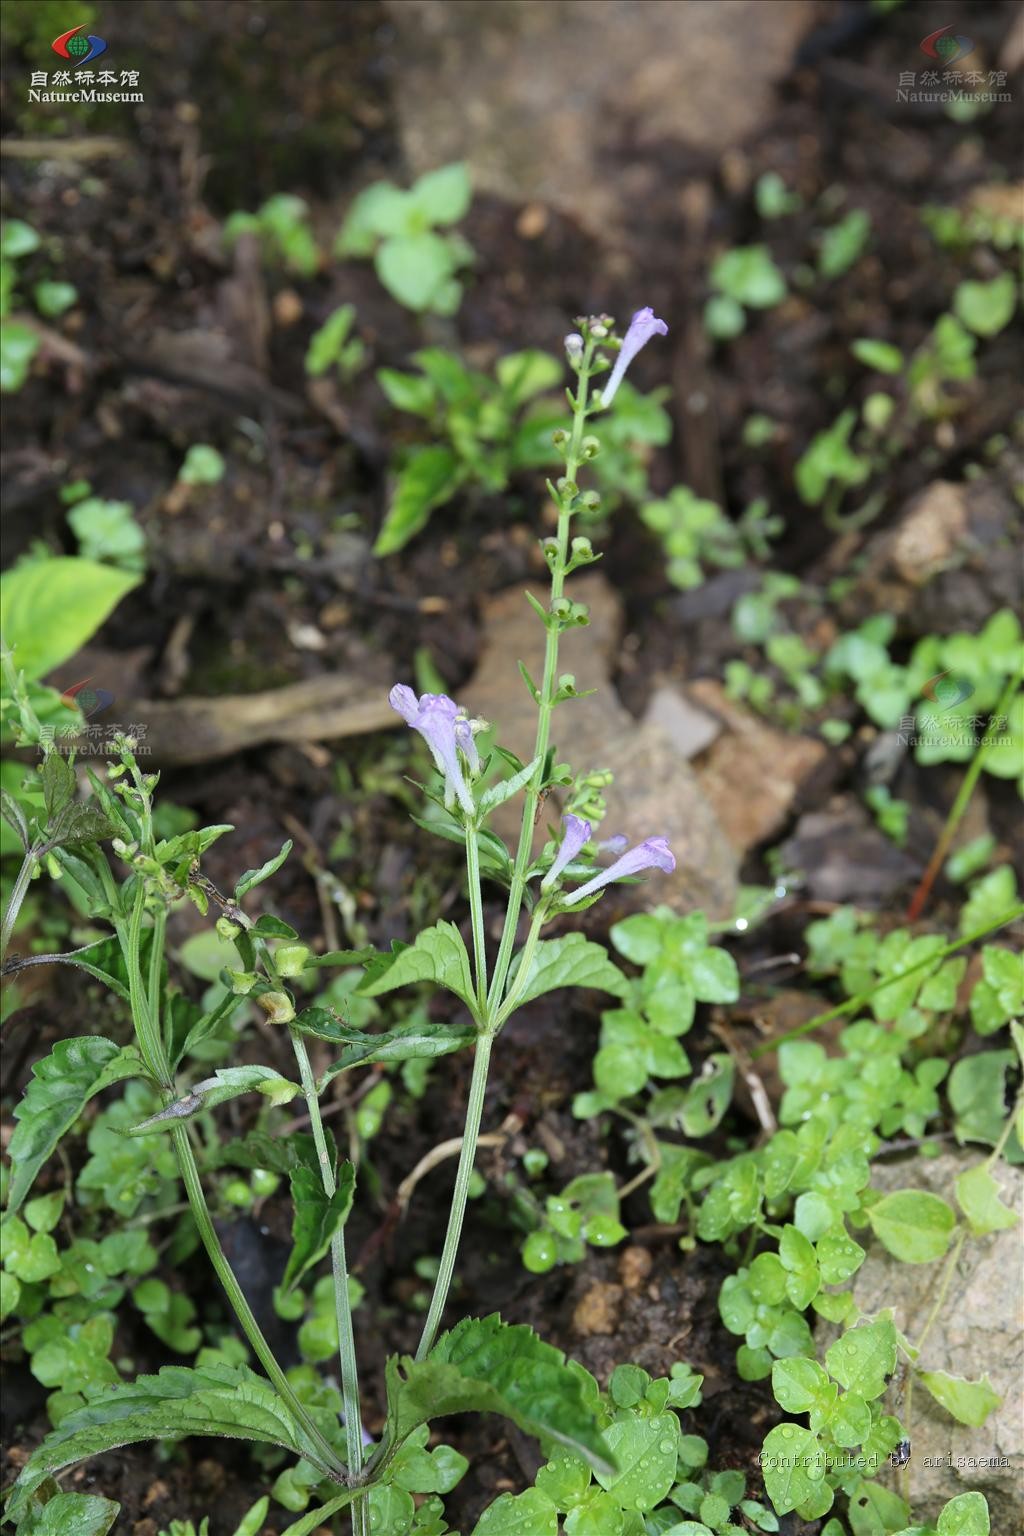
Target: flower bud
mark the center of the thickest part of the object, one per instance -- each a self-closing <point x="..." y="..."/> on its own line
<point x="559" y="437"/>
<point x="291" y="959"/>
<point x="590" y="501"/>
<point x="599" y="331"/>
<point x="574" y="347"/>
<point x="277" y="1006"/>
<point x="590" y="447"/>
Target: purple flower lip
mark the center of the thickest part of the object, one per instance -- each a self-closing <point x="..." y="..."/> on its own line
<point x="653" y="853"/>
<point x="577" y="833"/>
<point x="445" y="730"/>
<point x="642" y="327"/>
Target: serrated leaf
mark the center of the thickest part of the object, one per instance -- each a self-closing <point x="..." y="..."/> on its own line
<point x="486" y="1366"/>
<point x="62" y="1084"/>
<point x="969" y="1402"/>
<point x="913" y="1225"/>
<point x="226" y="1083"/>
<point x="863" y="1358"/>
<point x="253" y="877"/>
<point x="572" y="961"/>
<point x="80" y="824"/>
<point x="59" y="784"/>
<point x="316" y="1216"/>
<point x="406" y="1042"/>
<point x="438" y="955"/>
<point x="177" y="1401"/>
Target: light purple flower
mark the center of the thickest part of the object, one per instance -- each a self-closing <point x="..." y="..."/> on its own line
<point x="577" y="833"/>
<point x="437" y="719"/>
<point x="642" y="327"/>
<point x="466" y="742"/>
<point x="653" y="853"/>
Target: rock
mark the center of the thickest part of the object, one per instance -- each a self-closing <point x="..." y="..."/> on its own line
<point x="635" y="1265"/>
<point x="544" y="101"/>
<point x="655" y="792"/>
<point x="978" y="1331"/>
<point x="752" y="775"/>
<point x="597" y="1311"/>
<point x="689" y="729"/>
<point x="842" y="856"/>
<point x="947" y="563"/>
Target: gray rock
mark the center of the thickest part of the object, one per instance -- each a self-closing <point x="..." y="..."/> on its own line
<point x="978" y="1331"/>
<point x="655" y="792"/>
<point x="689" y="729"/>
<point x="536" y="95"/>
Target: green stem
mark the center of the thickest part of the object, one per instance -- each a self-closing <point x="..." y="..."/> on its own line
<point x="18" y="894"/>
<point x="342" y="1305"/>
<point x="854" y="1004"/>
<point x="477" y="913"/>
<point x="947" y="1275"/>
<point x="150" y="1043"/>
<point x="211" y="1242"/>
<point x="456" y="1216"/>
<point x="522" y="976"/>
<point x="960" y="804"/>
<point x="545" y="704"/>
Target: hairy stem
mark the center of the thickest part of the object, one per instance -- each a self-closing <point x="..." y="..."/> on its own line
<point x="477" y="912"/>
<point x="18" y="894"/>
<point x="467" y="1157"/>
<point x="342" y="1305"/>
<point x="211" y="1242"/>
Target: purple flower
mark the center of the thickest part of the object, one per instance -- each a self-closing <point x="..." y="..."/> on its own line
<point x="466" y="743"/>
<point x="642" y="327"/>
<point x="653" y="853"/>
<point x="437" y="719"/>
<point x="577" y="832"/>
